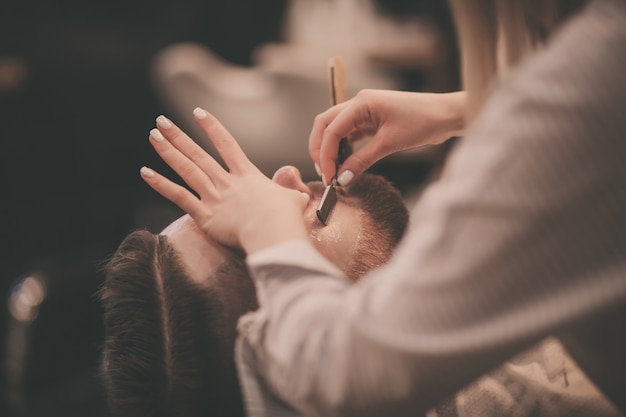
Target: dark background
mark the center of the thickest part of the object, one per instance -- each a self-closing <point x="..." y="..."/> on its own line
<point x="73" y="135"/>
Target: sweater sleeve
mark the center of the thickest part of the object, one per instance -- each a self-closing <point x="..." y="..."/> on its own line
<point x="524" y="234"/>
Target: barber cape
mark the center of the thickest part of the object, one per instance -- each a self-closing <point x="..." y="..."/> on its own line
<point x="542" y="381"/>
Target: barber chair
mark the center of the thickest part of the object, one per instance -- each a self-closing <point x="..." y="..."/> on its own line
<point x="268" y="113"/>
<point x="270" y="107"/>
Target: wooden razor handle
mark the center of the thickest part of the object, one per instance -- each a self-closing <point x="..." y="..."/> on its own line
<point x="338" y="93"/>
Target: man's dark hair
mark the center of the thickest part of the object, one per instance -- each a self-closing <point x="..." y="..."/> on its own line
<point x="169" y="340"/>
<point x="164" y="353"/>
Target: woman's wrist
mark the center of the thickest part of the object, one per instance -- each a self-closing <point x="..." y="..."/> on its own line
<point x="453" y="117"/>
<point x="272" y="231"/>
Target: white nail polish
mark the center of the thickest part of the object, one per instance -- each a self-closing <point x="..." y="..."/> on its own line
<point x="345" y="177"/>
<point x="156" y="135"/>
<point x="318" y="170"/>
<point x="199" y="113"/>
<point x="324" y="180"/>
<point x="146" y="172"/>
<point x="163" y="123"/>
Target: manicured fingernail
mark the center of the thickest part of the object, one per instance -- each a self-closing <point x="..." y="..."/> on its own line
<point x="199" y="113"/>
<point x="163" y="123"/>
<point x="146" y="172"/>
<point x="156" y="135"/>
<point x="324" y="180"/>
<point x="318" y="170"/>
<point x="345" y="177"/>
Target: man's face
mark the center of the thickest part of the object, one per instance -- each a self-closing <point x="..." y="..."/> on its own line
<point x="336" y="241"/>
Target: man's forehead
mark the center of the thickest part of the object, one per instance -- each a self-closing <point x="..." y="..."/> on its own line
<point x="178" y="225"/>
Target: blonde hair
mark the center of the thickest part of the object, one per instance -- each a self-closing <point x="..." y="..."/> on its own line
<point x="495" y="35"/>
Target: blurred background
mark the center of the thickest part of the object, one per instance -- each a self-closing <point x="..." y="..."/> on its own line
<point x="80" y="86"/>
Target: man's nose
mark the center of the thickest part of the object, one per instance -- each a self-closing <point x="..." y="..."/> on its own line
<point x="290" y="177"/>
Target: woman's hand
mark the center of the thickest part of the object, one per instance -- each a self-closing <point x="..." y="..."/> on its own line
<point x="240" y="207"/>
<point x="395" y="120"/>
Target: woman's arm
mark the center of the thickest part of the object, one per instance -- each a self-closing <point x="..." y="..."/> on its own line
<point x="394" y="121"/>
<point x="523" y="235"/>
